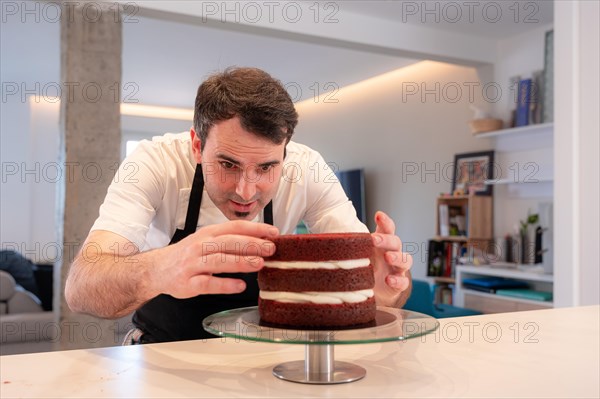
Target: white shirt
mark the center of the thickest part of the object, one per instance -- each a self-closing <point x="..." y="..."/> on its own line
<point x="148" y="198"/>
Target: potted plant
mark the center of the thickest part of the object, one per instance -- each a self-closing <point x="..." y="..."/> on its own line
<point x="527" y="232"/>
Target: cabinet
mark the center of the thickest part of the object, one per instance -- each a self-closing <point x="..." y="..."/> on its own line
<point x="493" y="303"/>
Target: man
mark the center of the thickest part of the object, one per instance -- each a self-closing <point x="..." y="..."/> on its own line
<point x="184" y="236"/>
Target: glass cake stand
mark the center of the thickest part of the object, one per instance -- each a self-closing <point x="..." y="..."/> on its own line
<point x="319" y="365"/>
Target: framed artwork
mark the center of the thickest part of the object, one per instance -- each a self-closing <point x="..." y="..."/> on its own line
<point x="471" y="170"/>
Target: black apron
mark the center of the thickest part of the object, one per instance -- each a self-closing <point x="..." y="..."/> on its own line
<point x="165" y="318"/>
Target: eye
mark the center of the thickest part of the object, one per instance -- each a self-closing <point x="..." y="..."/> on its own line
<point x="227" y="165"/>
<point x="265" y="168"/>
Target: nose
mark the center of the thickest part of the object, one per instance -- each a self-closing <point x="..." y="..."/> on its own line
<point x="246" y="187"/>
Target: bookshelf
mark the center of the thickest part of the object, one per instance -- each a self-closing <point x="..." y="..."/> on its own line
<point x="524" y="156"/>
<point x="474" y="209"/>
<point x="463" y="228"/>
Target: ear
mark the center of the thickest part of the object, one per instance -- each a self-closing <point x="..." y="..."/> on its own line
<point x="196" y="146"/>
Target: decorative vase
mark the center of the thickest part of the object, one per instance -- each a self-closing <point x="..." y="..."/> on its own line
<point x="528" y="245"/>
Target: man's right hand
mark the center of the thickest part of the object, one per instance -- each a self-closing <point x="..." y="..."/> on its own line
<point x="110" y="278"/>
<point x="186" y="269"/>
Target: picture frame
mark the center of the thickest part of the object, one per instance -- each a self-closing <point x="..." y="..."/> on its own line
<point x="470" y="172"/>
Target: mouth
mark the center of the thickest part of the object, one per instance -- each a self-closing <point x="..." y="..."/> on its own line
<point x="243" y="208"/>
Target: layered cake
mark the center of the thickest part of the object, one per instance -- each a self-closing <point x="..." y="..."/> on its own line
<point x="318" y="280"/>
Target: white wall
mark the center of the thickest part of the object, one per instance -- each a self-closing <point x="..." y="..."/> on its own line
<point x="15" y="217"/>
<point x="377" y="125"/>
<point x="26" y="205"/>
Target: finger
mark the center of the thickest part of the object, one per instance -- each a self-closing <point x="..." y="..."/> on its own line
<point x="388" y="242"/>
<point x="398" y="259"/>
<point x="385" y="224"/>
<point x="397" y="282"/>
<point x="238" y="244"/>
<point x="243" y="227"/>
<point x="228" y="263"/>
<point x="206" y="284"/>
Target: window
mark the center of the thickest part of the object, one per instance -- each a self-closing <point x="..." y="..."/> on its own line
<point x="130" y="145"/>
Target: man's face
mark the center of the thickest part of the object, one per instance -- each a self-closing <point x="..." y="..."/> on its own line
<point x="241" y="170"/>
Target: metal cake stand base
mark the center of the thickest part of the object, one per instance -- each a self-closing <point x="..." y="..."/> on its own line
<point x="319" y="367"/>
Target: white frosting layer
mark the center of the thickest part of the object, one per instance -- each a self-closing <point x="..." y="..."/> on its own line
<point x="340" y="264"/>
<point x="325" y="298"/>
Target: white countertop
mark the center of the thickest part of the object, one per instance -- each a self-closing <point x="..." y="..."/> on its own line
<point x="544" y="353"/>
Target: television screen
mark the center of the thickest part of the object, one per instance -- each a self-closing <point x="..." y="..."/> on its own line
<point x="353" y="182"/>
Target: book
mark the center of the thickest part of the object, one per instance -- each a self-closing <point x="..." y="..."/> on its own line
<point x="513" y="97"/>
<point x="537" y="98"/>
<point x="444" y="220"/>
<point x="435" y="258"/>
<point x="442" y="294"/>
<point x="446" y="296"/>
<point x="526" y="294"/>
<point x="479" y="288"/>
<point x="448" y="265"/>
<point x="494" y="282"/>
<point x="443" y="256"/>
<point x="455" y="256"/>
<point x="523" y="103"/>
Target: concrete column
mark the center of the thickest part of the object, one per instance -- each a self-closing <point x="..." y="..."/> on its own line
<point x="89" y="147"/>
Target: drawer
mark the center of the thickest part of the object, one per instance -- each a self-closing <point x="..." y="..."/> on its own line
<point x="530" y="306"/>
<point x="489" y="305"/>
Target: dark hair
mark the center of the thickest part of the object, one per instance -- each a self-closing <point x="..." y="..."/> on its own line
<point x="261" y="102"/>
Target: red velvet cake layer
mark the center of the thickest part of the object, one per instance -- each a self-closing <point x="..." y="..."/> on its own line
<point x="313" y="315"/>
<point x="322" y="247"/>
<point x="299" y="280"/>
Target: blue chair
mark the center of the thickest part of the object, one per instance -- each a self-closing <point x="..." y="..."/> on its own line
<point x="421" y="300"/>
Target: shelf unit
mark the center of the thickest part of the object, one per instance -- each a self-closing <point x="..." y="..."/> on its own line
<point x="524" y="180"/>
<point x="524" y="184"/>
<point x="509" y="181"/>
<point x="541" y="128"/>
<point x="516" y="149"/>
<point x="477" y="213"/>
<point x="492" y="303"/>
<point x="524" y="155"/>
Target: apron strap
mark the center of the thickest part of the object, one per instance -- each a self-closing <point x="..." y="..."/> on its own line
<point x="268" y="213"/>
<point x="193" y="212"/>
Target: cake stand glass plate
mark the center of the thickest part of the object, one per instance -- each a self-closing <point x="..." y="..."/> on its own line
<point x="319" y="366"/>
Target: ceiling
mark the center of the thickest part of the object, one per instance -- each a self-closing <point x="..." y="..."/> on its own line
<point x="164" y="60"/>
<point x="491" y="19"/>
<point x="168" y="60"/>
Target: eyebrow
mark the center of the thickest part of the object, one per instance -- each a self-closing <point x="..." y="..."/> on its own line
<point x="238" y="163"/>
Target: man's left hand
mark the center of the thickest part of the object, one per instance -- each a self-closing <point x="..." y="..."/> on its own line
<point x="392" y="266"/>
